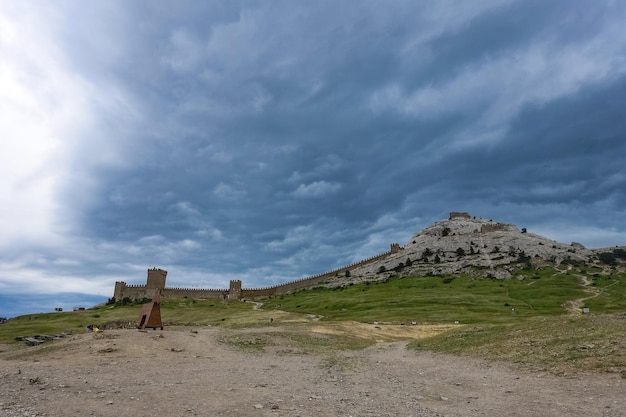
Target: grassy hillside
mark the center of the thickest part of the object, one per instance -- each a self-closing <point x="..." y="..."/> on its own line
<point x="536" y="320"/>
<point x="560" y="344"/>
<point x="463" y="298"/>
<point x="183" y="312"/>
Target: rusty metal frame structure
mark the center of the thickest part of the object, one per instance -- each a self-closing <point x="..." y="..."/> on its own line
<point x="150" y="316"/>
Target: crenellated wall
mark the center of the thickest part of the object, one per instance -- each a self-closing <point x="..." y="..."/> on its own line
<point x="157" y="277"/>
<point x="208" y="294"/>
<point x="487" y="228"/>
<point x="459" y="215"/>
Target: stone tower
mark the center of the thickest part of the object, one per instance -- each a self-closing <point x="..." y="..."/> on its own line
<point x="156" y="279"/>
<point x="234" y="292"/>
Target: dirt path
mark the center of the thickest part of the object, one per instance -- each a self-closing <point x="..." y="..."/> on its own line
<point x="185" y="373"/>
<point x="576" y="306"/>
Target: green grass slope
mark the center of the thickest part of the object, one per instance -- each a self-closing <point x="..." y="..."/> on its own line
<point x="464" y="298"/>
<point x="535" y="319"/>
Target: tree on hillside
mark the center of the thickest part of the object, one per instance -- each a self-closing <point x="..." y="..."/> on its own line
<point x="522" y="257"/>
<point x="607" y="258"/>
<point x="619" y="253"/>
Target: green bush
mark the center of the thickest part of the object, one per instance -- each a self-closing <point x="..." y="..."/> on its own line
<point x="607" y="258"/>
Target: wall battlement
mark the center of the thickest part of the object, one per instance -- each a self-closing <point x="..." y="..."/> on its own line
<point x="486" y="228"/>
<point x="459" y="215"/>
<point x="157" y="278"/>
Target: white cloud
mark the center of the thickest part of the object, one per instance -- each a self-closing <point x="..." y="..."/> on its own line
<point x="48" y="117"/>
<point x="294" y="237"/>
<point x="210" y="231"/>
<point x="500" y="86"/>
<point x="186" y="208"/>
<point x="228" y="192"/>
<point x="215" y="154"/>
<point x="589" y="236"/>
<point x="260" y="97"/>
<point x="317" y="189"/>
<point x="37" y="101"/>
<point x="33" y="272"/>
<point x="185" y="51"/>
<point x="329" y="164"/>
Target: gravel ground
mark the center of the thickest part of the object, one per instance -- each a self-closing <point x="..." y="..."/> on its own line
<point x="187" y="372"/>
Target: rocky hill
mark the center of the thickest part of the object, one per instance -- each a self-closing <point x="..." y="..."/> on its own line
<point x="464" y="243"/>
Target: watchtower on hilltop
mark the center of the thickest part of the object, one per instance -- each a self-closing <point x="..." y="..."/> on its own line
<point x="235" y="289"/>
<point x="459" y="215"/>
<point x="156" y="279"/>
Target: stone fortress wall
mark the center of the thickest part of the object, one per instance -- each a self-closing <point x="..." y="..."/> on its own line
<point x="156" y="280"/>
<point x="459" y="215"/>
<point x="488" y="228"/>
<point x="485" y="228"/>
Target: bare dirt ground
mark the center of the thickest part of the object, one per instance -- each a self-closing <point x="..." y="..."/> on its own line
<point x="189" y="372"/>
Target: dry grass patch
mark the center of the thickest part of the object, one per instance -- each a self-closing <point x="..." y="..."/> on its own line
<point x="380" y="333"/>
<point x="565" y="344"/>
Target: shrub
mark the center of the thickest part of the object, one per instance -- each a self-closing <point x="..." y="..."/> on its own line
<point x="619" y="253"/>
<point x="522" y="257"/>
<point x="607" y="258"/>
<point x="127" y="301"/>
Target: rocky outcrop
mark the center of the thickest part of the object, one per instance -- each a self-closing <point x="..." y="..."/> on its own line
<point x="465" y="243"/>
<point x="459" y="244"/>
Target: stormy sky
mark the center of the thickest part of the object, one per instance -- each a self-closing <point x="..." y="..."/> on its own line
<point x="272" y="140"/>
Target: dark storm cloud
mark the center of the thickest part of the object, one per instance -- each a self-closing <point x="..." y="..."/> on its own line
<point x="270" y="141"/>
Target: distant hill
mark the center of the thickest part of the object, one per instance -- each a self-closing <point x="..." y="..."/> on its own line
<point x="460" y="244"/>
<point x="484" y="247"/>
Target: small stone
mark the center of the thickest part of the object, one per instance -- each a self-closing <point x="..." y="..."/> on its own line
<point x="258" y="406"/>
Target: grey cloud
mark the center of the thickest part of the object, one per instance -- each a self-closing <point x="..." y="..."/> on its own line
<point x="274" y="140"/>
